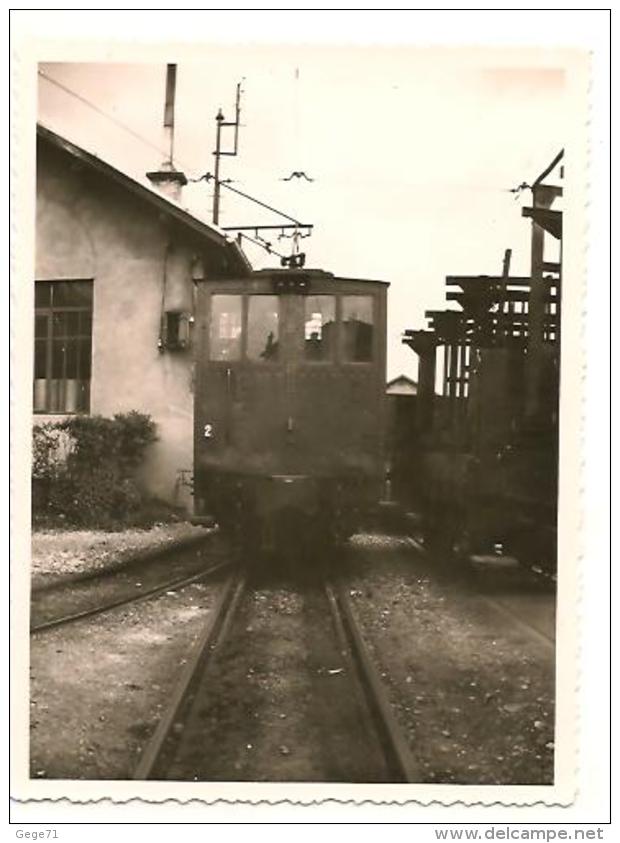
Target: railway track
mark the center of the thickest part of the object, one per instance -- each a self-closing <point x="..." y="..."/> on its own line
<point x="509" y="605"/>
<point x="215" y="629"/>
<point x="285" y="693"/>
<point x="43" y="604"/>
<point x="394" y="741"/>
<point x="520" y="617"/>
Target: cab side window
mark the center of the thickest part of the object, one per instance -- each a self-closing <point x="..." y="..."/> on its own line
<point x="357" y="328"/>
<point x="226" y="327"/>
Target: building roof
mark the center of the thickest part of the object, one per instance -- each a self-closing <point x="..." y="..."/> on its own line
<point x="402" y="385"/>
<point x="158" y="201"/>
<point x="548" y="170"/>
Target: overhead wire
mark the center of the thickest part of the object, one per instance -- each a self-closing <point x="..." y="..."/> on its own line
<point x="264" y="244"/>
<point x="205" y="177"/>
<point x="108" y="116"/>
<point x="262" y="204"/>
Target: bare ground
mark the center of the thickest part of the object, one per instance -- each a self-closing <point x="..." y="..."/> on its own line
<point x="98" y="687"/>
<point x="474" y="691"/>
<point x="62" y="554"/>
<point x="281" y="702"/>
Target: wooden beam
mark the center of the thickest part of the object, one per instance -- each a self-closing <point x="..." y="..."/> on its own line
<point x="475" y="280"/>
<point x="550" y="221"/>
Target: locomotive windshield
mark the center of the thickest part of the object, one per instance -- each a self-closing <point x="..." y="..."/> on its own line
<point x="319" y="326"/>
<point x="268" y="328"/>
<point x="263" y="326"/>
<point x="225" y="333"/>
<point x="357" y="328"/>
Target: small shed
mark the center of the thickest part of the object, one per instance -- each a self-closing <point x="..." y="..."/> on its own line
<point x="401" y="386"/>
<point x="401" y="434"/>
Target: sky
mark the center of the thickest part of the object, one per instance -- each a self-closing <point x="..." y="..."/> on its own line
<point x="412" y="152"/>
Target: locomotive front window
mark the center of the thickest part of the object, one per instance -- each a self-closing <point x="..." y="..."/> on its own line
<point x="319" y="327"/>
<point x="263" y="328"/>
<point x="225" y="332"/>
<point x="357" y="328"/>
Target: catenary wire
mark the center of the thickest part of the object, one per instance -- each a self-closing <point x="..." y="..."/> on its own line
<point x="103" y="113"/>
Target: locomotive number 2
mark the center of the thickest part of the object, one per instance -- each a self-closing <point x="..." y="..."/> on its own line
<point x="208" y="431"/>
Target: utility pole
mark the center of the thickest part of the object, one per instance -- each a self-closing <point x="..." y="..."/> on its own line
<point x="221" y="123"/>
<point x="300" y="230"/>
<point x="216" y="189"/>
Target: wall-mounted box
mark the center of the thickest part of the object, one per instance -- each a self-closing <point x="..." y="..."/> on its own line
<point x="175" y="330"/>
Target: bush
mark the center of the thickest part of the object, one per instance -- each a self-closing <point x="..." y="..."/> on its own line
<point x="84" y="468"/>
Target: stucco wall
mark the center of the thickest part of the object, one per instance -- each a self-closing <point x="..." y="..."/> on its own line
<point x="88" y="227"/>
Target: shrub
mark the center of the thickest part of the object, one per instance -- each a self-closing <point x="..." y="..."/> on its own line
<point x="84" y="468"/>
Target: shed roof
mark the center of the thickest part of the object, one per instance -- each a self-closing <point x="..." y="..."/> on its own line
<point x="214" y="235"/>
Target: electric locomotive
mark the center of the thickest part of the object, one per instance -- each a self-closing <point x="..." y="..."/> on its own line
<point x="289" y="405"/>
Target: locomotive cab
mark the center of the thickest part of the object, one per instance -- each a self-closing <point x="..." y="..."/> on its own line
<point x="289" y="402"/>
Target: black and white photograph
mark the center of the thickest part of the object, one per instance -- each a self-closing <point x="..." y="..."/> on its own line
<point x="303" y="422"/>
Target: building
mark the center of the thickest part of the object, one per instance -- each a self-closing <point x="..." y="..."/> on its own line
<point x="116" y="266"/>
<point x="401" y="416"/>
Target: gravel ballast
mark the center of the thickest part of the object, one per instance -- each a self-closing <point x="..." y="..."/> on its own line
<point x="474" y="692"/>
<point x="59" y="555"/>
<point x="98" y="688"/>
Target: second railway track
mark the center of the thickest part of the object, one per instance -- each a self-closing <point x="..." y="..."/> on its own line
<point x="83" y="614"/>
<point x="280" y="686"/>
<point x="526" y="602"/>
<point x="88" y="597"/>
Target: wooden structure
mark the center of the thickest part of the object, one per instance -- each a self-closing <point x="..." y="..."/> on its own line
<point x="496" y="399"/>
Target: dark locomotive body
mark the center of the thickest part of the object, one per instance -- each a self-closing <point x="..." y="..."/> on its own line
<point x="483" y="458"/>
<point x="289" y="404"/>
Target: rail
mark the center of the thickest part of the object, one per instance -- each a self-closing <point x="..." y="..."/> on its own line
<point x="394" y="742"/>
<point x="161" y="752"/>
<point x="125" y="601"/>
<point x="213" y="634"/>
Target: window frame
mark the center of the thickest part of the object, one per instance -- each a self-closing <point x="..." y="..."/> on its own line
<point x="334" y="356"/>
<point x="216" y="361"/>
<point x="341" y="344"/>
<point x="243" y="358"/>
<point x="337" y="357"/>
<point x="49" y="311"/>
<point x="257" y="361"/>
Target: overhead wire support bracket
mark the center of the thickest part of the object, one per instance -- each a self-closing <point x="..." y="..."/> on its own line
<point x="262" y="204"/>
<point x="264" y="244"/>
<point x="221" y="122"/>
<point x="267" y="227"/>
<point x="293" y="222"/>
<point x="300" y="230"/>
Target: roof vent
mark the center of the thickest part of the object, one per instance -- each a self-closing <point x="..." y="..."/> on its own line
<point x="168" y="179"/>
